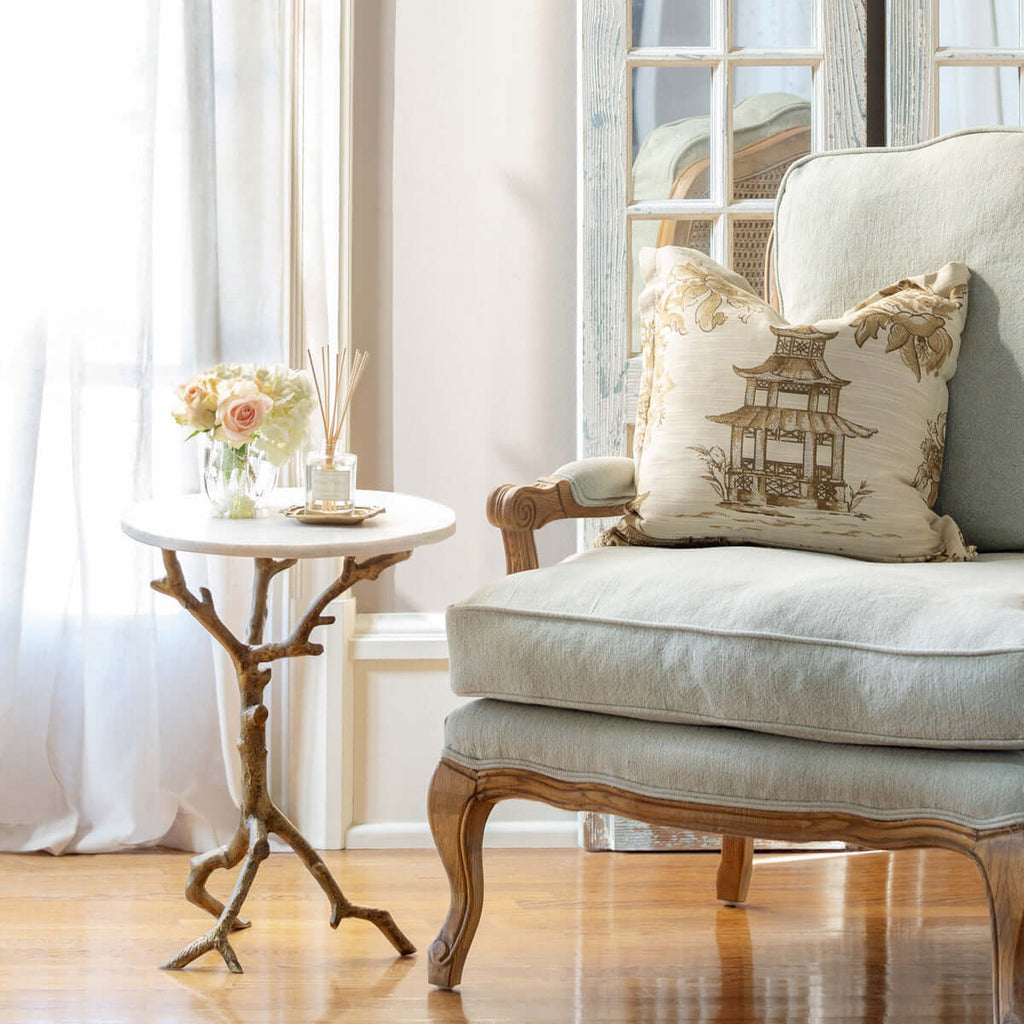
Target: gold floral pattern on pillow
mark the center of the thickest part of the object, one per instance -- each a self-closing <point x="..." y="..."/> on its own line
<point x="933" y="448"/>
<point x="914" y="320"/>
<point x="691" y="287"/>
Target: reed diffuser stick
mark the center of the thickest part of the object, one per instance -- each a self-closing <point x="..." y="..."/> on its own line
<point x="339" y="365"/>
<point x="358" y="365"/>
<point x="335" y="389"/>
<point x="316" y="384"/>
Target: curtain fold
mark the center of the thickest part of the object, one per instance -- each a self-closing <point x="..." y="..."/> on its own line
<point x="143" y="218"/>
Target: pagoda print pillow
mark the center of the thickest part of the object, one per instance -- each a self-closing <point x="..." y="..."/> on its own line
<point x="826" y="436"/>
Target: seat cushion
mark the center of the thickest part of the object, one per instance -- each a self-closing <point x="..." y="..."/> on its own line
<point x="729" y="768"/>
<point x="788" y="642"/>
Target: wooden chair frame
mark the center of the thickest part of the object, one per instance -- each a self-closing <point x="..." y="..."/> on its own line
<point x="460" y="801"/>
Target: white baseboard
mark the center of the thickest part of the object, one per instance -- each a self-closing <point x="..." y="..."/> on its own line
<point x="393" y="835"/>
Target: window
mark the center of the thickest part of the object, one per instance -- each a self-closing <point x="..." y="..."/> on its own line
<point x="953" y="64"/>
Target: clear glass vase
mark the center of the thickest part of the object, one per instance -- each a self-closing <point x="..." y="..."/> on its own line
<point x="235" y="479"/>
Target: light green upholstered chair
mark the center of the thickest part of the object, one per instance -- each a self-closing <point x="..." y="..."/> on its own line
<point x="877" y="704"/>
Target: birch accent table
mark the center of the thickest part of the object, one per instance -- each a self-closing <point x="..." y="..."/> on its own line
<point x="275" y="543"/>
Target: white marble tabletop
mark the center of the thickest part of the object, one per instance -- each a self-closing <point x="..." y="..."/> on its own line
<point x="184" y="523"/>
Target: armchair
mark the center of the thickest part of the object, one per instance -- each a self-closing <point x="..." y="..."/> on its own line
<point x="781" y="694"/>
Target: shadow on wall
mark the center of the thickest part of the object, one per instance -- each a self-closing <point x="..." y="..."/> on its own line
<point x="374" y="98"/>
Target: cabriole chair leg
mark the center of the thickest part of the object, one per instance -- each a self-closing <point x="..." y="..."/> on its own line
<point x="457" y="820"/>
<point x="1000" y="860"/>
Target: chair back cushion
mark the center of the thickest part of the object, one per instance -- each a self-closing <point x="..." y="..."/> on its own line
<point x="849" y="222"/>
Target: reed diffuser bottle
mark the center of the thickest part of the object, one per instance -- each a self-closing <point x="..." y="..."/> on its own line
<point x="331" y="474"/>
<point x="331" y="481"/>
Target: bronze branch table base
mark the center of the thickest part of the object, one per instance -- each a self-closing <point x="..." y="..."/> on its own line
<point x="260" y="816"/>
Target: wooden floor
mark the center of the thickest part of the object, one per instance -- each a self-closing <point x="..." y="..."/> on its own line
<point x="566" y="936"/>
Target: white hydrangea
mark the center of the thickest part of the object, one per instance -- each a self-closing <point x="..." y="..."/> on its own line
<point x="286" y="426"/>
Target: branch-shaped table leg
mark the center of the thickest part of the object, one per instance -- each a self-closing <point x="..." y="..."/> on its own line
<point x="259" y="813"/>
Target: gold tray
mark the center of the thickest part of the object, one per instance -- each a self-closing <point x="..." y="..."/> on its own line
<point x="353" y="517"/>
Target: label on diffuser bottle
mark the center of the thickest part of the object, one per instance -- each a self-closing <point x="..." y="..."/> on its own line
<point x="332" y="484"/>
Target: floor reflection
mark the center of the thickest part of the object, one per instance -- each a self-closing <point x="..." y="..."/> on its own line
<point x="446" y="1006"/>
<point x="213" y="997"/>
<point x="735" y="951"/>
<point x="845" y="937"/>
<point x="344" y="999"/>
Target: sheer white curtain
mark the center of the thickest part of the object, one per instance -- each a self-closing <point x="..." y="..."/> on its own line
<point x="141" y="212"/>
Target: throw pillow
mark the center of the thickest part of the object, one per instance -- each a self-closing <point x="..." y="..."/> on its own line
<point x="825" y="436"/>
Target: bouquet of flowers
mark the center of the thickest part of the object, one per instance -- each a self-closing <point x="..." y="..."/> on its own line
<point x="266" y="406"/>
<point x="252" y="414"/>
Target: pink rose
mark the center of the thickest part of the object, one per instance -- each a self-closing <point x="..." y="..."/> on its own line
<point x="241" y="410"/>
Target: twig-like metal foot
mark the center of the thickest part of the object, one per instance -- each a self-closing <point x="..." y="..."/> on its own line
<point x="381" y="918"/>
<point x="213" y="939"/>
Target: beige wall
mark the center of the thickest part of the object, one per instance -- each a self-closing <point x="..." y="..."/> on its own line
<point x="464" y="294"/>
<point x="464" y="289"/>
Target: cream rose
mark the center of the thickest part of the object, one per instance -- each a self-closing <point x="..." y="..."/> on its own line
<point x="196" y="406"/>
<point x="240" y="412"/>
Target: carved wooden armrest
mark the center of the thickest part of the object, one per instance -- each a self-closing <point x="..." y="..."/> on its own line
<point x="518" y="510"/>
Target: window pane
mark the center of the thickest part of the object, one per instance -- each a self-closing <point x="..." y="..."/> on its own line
<point x="771" y="125"/>
<point x="670" y="132"/>
<point x="979" y="25"/>
<point x="671" y="23"/>
<point x="969" y="97"/>
<point x="691" y="234"/>
<point x="773" y="24"/>
<point x="749" y="243"/>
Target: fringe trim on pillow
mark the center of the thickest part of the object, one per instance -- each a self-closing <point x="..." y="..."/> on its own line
<point x="954" y="547"/>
